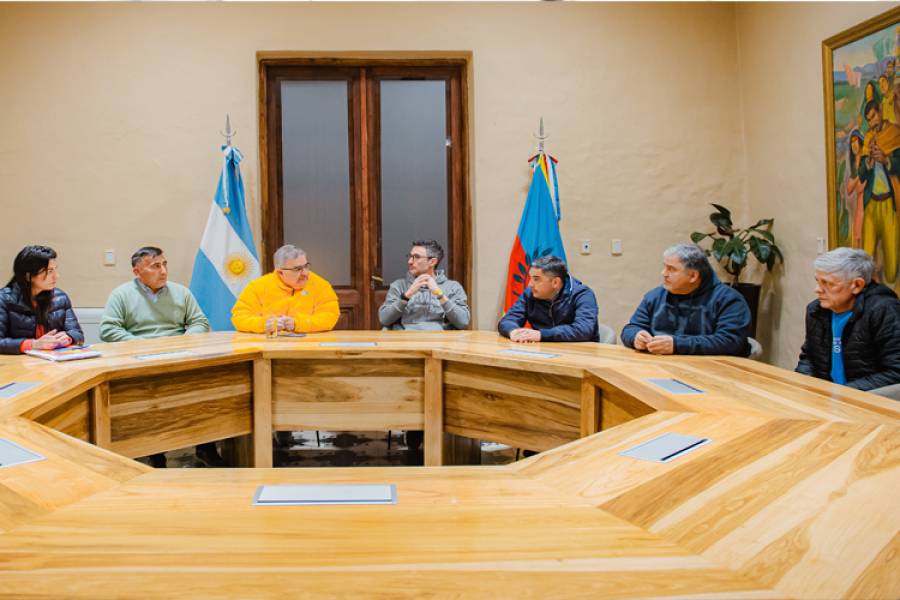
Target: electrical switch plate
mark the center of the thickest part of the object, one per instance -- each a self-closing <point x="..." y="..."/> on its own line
<point x="109" y="257"/>
<point x="616" y="248"/>
<point x="820" y="245"/>
<point x="585" y="246"/>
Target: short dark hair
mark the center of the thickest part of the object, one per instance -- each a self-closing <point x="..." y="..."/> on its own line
<point x="432" y="249"/>
<point x="552" y="266"/>
<point x="140" y="253"/>
<point x="870" y="106"/>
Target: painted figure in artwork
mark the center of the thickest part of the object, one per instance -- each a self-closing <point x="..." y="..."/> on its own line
<point x="855" y="187"/>
<point x="879" y="171"/>
<point x="887" y="99"/>
<point x="870" y="93"/>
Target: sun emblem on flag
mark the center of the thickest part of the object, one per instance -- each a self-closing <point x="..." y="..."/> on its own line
<point x="238" y="266"/>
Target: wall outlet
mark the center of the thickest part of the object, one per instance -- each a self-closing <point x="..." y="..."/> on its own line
<point x="615" y="248"/>
<point x="109" y="258"/>
<point x="585" y="246"/>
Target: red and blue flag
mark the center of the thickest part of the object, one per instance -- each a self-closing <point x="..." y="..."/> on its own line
<point x="538" y="233"/>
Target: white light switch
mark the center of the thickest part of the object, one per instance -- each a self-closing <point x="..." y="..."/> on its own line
<point x="820" y="245"/>
<point x="616" y="248"/>
<point x="585" y="246"/>
<point x="109" y="257"/>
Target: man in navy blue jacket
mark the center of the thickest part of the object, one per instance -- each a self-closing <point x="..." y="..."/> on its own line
<point x="559" y="307"/>
<point x="692" y="312"/>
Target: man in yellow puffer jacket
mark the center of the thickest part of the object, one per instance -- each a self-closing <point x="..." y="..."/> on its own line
<point x="293" y="295"/>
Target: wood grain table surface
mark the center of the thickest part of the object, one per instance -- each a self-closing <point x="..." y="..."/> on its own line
<point x="793" y="497"/>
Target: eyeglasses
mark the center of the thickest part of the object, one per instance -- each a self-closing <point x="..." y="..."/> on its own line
<point x="298" y="268"/>
<point x="416" y="256"/>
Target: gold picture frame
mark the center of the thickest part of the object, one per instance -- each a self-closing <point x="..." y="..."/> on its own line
<point x="859" y="66"/>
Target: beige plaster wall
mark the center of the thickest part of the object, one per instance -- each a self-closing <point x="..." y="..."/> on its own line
<point x="781" y="79"/>
<point x="111" y="112"/>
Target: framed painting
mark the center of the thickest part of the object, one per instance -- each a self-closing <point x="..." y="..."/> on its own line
<point x="861" y="72"/>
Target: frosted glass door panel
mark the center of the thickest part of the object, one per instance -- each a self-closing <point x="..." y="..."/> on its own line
<point x="413" y="169"/>
<point x="316" y="174"/>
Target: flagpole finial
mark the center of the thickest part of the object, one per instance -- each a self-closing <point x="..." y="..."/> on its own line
<point x="229" y="132"/>
<point x="540" y="136"/>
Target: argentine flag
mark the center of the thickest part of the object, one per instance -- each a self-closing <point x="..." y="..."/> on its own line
<point x="227" y="259"/>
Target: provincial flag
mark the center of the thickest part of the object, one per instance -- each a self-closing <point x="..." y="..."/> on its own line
<point x="227" y="259"/>
<point x="538" y="233"/>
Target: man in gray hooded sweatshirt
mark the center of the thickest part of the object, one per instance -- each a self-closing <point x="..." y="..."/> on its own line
<point x="425" y="299"/>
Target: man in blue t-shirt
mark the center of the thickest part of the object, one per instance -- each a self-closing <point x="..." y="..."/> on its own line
<point x="853" y="328"/>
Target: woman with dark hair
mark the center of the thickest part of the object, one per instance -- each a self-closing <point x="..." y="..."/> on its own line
<point x="855" y="188"/>
<point x="34" y="314"/>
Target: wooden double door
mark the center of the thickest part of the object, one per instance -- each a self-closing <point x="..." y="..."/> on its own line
<point x="359" y="159"/>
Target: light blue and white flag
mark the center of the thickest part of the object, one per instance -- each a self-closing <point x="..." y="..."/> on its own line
<point x="227" y="259"/>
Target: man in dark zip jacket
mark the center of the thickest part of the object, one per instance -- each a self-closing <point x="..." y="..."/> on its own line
<point x="853" y="328"/>
<point x="692" y="312"/>
<point x="558" y="307"/>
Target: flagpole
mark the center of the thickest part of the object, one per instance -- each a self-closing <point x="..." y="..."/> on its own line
<point x="228" y="134"/>
<point x="541" y="137"/>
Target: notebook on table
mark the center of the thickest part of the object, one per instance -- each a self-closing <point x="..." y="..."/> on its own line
<point x="68" y="353"/>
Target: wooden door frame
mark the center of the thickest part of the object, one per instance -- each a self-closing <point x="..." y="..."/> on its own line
<point x="272" y="65"/>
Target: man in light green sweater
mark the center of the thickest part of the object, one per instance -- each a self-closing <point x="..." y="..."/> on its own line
<point x="151" y="306"/>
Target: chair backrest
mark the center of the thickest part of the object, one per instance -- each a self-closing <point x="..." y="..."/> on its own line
<point x="607" y="334"/>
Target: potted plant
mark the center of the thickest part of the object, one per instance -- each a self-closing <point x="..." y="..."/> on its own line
<point x="732" y="247"/>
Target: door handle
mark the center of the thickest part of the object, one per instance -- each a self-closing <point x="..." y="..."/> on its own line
<point x="377" y="279"/>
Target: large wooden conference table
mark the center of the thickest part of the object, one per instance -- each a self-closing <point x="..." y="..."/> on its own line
<point x="794" y="496"/>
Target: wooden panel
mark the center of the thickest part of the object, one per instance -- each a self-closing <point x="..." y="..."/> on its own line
<point x="72" y="417"/>
<point x="590" y="408"/>
<point x="617" y="407"/>
<point x="536" y="411"/>
<point x="460" y="450"/>
<point x="101" y="428"/>
<point x="350" y="301"/>
<point x="154" y="414"/>
<point x="239" y="451"/>
<point x="352" y="394"/>
<point x="262" y="413"/>
<point x="434" y="411"/>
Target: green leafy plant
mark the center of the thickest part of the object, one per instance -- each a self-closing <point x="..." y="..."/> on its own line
<point x="731" y="247"/>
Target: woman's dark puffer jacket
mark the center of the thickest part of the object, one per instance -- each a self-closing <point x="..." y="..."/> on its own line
<point x="19" y="322"/>
<point x="870" y="340"/>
